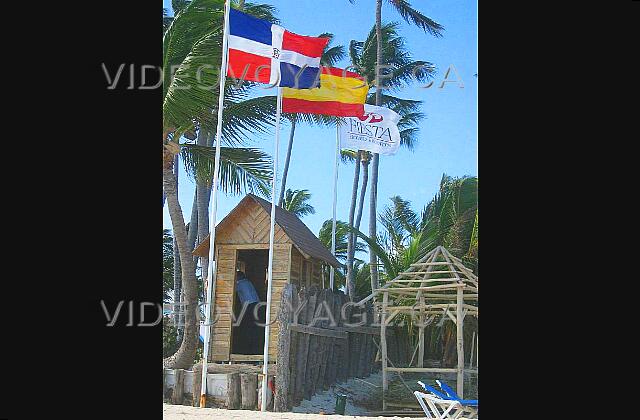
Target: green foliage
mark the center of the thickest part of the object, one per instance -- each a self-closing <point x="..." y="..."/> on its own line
<point x="296" y="202"/>
<point x="169" y="337"/>
<point x="413" y="16"/>
<point x="342" y="234"/>
<point x="450" y="219"/>
<point x="241" y="169"/>
<point x="192" y="45"/>
<point x="167" y="264"/>
<point x="400" y="68"/>
<point x="362" y="277"/>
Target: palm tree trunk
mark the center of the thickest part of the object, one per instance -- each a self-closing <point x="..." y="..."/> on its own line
<point x="177" y="286"/>
<point x="203" y="193"/>
<point x="363" y="191"/>
<point x="373" y="197"/>
<point x="283" y="184"/>
<point x="183" y="358"/>
<point x="192" y="231"/>
<point x="177" y="276"/>
<point x="351" y="286"/>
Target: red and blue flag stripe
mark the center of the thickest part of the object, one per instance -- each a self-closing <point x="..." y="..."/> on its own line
<point x="260" y="51"/>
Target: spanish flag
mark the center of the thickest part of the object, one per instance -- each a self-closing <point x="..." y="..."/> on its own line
<point x="341" y="93"/>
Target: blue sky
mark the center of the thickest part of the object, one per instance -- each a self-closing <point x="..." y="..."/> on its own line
<point x="448" y="135"/>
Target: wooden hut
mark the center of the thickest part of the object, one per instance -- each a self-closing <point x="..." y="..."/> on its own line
<point x="242" y="243"/>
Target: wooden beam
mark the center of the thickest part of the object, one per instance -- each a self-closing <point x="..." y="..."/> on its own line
<point x="433" y="306"/>
<point x="324" y="332"/>
<point x="459" y="335"/>
<point x="254" y="246"/>
<point x="358" y="330"/>
<point x="246" y="357"/>
<point x="422" y="280"/>
<point x="421" y="336"/>
<point x="383" y="345"/>
<point x="375" y="292"/>
<point x="412" y="273"/>
<point x="473" y="341"/>
<point x="430" y="263"/>
<point x="418" y="370"/>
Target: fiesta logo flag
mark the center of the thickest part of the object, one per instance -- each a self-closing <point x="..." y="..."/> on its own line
<point x="376" y="131"/>
<point x="260" y="51"/>
<point x="341" y="93"/>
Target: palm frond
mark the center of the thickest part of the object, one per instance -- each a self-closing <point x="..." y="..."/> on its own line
<point x="411" y="15"/>
<point x="296" y="202"/>
<point x="332" y="54"/>
<point x="262" y="11"/>
<point x="342" y="234"/>
<point x="355" y="50"/>
<point x="241" y="169"/>
<point x="390" y="268"/>
<point x="245" y="118"/>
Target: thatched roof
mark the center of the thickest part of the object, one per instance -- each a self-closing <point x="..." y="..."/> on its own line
<point x="303" y="239"/>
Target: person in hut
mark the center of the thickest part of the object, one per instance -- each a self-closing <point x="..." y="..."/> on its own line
<point x="248" y="296"/>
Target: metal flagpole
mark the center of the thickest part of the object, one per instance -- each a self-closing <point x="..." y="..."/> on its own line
<point x="214" y="207"/>
<point x="265" y="376"/>
<point x="335" y="199"/>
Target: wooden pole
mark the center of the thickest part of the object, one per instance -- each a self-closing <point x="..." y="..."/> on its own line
<point x="421" y="335"/>
<point x="178" y="390"/>
<point x="249" y="386"/>
<point x="473" y="341"/>
<point x="234" y="391"/>
<point x="383" y="344"/>
<point x="284" y="345"/>
<point x="460" y="342"/>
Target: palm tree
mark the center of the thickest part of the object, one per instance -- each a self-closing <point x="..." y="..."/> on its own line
<point x="330" y="57"/>
<point x="411" y="16"/>
<point x="167" y="265"/>
<point x="192" y="43"/>
<point x="450" y="219"/>
<point x="403" y="69"/>
<point x="362" y="276"/>
<point x="295" y="202"/>
<point x="342" y="235"/>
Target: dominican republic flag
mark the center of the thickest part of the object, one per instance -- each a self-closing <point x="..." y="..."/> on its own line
<point x="262" y="52"/>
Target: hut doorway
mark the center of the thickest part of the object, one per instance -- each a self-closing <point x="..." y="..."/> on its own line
<point x="247" y="337"/>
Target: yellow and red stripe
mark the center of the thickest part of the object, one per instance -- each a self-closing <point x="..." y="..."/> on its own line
<point x="341" y="93"/>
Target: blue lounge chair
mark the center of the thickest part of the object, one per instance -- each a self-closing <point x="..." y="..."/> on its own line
<point x="447" y="405"/>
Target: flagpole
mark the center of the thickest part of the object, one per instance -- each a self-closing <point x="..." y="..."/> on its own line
<point x="267" y="328"/>
<point x="335" y="199"/>
<point x="214" y="207"/>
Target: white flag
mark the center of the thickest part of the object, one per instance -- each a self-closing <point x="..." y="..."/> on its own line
<point x="376" y="131"/>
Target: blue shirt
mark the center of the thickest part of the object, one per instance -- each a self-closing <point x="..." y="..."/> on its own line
<point x="246" y="292"/>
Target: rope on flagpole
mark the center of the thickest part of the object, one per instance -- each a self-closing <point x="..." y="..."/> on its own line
<point x="267" y="329"/>
<point x="211" y="275"/>
<point x="335" y="199"/>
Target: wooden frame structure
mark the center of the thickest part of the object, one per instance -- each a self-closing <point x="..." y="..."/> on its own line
<point x="439" y="285"/>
